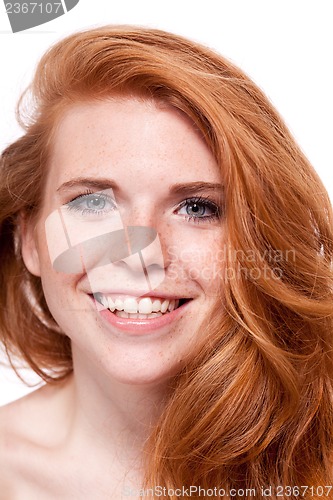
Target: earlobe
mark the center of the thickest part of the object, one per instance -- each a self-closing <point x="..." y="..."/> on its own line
<point x="29" y="249"/>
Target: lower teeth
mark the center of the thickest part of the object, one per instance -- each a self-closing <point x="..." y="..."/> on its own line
<point x="123" y="314"/>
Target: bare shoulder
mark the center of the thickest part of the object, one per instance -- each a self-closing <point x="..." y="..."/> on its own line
<point x="21" y="418"/>
<point x="19" y="422"/>
<point x="27" y="431"/>
<point x="10" y="433"/>
<point x="7" y="473"/>
<point x="32" y="419"/>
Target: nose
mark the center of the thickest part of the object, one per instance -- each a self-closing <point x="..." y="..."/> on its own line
<point x="144" y="233"/>
<point x="132" y="261"/>
<point x="143" y="255"/>
<point x="147" y="239"/>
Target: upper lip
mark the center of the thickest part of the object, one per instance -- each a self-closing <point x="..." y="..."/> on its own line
<point x="142" y="294"/>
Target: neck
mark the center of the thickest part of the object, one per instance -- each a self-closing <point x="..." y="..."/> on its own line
<point x="107" y="416"/>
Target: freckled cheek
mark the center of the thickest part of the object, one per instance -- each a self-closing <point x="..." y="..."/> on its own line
<point x="57" y="285"/>
<point x="58" y="289"/>
<point x="200" y="260"/>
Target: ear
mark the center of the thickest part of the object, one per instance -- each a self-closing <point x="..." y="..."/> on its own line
<point x="29" y="249"/>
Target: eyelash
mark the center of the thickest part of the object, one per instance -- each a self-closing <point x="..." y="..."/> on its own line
<point x="206" y="202"/>
<point x="74" y="204"/>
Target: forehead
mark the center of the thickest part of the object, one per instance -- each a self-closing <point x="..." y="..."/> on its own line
<point x="131" y="137"/>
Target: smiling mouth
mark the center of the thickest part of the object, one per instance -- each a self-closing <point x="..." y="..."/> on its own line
<point x="144" y="308"/>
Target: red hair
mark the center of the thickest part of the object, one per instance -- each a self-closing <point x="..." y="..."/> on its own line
<point x="253" y="406"/>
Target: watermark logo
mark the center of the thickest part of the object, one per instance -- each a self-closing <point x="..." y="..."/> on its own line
<point x="88" y="236"/>
<point x="23" y="15"/>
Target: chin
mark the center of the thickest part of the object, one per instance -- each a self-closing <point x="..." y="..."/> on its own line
<point x="146" y="376"/>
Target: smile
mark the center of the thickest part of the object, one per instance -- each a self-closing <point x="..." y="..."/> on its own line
<point x="140" y="315"/>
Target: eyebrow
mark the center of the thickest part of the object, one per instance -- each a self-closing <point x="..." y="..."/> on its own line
<point x="103" y="184"/>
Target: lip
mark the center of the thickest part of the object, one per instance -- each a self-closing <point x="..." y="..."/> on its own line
<point x="141" y="326"/>
<point x="141" y="294"/>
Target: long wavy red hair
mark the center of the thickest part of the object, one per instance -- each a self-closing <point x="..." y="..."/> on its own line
<point x="253" y="407"/>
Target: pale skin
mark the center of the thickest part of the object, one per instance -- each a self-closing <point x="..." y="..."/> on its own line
<point x="90" y="430"/>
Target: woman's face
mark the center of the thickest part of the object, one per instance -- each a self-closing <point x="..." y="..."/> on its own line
<point x="132" y="208"/>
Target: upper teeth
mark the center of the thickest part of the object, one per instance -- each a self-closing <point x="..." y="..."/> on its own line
<point x="145" y="305"/>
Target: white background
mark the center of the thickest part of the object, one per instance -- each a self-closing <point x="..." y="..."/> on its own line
<point x="284" y="45"/>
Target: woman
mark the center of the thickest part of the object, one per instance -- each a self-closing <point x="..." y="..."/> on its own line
<point x="166" y="268"/>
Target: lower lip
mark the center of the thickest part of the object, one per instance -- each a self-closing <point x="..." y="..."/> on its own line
<point x="142" y="326"/>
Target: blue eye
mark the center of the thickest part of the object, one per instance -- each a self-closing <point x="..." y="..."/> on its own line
<point x="201" y="209"/>
<point x="92" y="204"/>
<point x="197" y="209"/>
